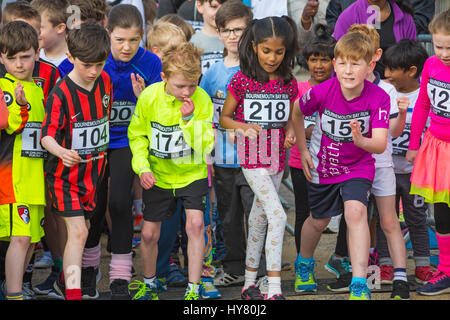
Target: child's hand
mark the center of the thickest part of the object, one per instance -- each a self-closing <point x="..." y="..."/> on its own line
<point x="70" y="158"/>
<point x="356" y="132"/>
<point x="138" y="84"/>
<point x="411" y="155"/>
<point x="147" y="180"/>
<point x="20" y="95"/>
<point x="187" y="108"/>
<point x="403" y="104"/>
<point x="252" y="130"/>
<point x="307" y="164"/>
<point x="289" y="141"/>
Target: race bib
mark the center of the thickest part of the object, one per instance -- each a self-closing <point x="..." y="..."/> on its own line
<point x="269" y="110"/>
<point x="90" y="137"/>
<point x="401" y="143"/>
<point x="218" y="106"/>
<point x="121" y="113"/>
<point x="31" y="141"/>
<point x="208" y="59"/>
<point x="197" y="25"/>
<point x="168" y="142"/>
<point x="439" y="94"/>
<point x="309" y="121"/>
<point x="337" y="126"/>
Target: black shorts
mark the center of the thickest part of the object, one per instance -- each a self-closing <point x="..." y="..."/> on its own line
<point x="327" y="200"/>
<point x="161" y="204"/>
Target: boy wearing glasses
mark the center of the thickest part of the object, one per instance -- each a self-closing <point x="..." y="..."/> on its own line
<point x="233" y="194"/>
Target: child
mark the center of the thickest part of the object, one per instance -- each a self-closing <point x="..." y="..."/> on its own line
<point x="52" y="36"/>
<point x="163" y="36"/>
<point x="319" y="54"/>
<point x="267" y="52"/>
<point x="207" y="38"/>
<point x="170" y="135"/>
<point x="131" y="68"/>
<point x="23" y="192"/>
<point x="76" y="134"/>
<point x="234" y="196"/>
<point x="404" y="63"/>
<point x="177" y="20"/>
<point x="21" y="10"/>
<point x="354" y="118"/>
<point x="429" y="177"/>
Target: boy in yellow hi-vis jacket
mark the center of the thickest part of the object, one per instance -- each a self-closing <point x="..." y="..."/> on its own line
<point x="22" y="189"/>
<point x="170" y="137"/>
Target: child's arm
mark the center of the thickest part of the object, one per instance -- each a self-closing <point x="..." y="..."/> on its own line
<point x="289" y="141"/>
<point x="69" y="157"/>
<point x="4" y="113"/>
<point x="376" y="144"/>
<point x="250" y="130"/>
<point x="299" y="125"/>
<point x="397" y="125"/>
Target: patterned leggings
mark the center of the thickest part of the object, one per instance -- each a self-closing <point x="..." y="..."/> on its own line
<point x="267" y="214"/>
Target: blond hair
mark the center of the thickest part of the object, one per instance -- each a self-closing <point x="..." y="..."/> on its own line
<point x="185" y="59"/>
<point x="161" y="34"/>
<point x="354" y="46"/>
<point x="440" y="23"/>
<point x="368" y="31"/>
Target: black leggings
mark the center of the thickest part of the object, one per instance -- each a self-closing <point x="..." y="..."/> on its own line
<point x="121" y="177"/>
<point x="442" y="218"/>
<point x="301" y="202"/>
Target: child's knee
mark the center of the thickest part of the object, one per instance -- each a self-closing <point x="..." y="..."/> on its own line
<point x="195" y="225"/>
<point x="149" y="235"/>
<point x="355" y="214"/>
<point x="21" y="241"/>
<point x="78" y="233"/>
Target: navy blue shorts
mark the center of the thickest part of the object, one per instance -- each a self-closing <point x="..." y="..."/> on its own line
<point x="327" y="200"/>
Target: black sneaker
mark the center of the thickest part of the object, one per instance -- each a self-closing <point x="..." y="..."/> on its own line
<point x="60" y="287"/>
<point x="400" y="290"/>
<point x="89" y="283"/>
<point x="119" y="290"/>
<point x="341" y="284"/>
<point x="252" y="293"/>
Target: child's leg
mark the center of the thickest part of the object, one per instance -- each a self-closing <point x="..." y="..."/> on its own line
<point x="15" y="262"/>
<point x="391" y="227"/>
<point x="77" y="232"/>
<point x="149" y="247"/>
<point x="195" y="229"/>
<point x="355" y="214"/>
<point x="310" y="236"/>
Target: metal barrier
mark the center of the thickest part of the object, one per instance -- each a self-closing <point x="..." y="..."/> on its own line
<point x="425" y="41"/>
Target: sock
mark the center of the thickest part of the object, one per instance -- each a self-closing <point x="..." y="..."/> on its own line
<point x="385" y="261"/>
<point x="73" y="294"/>
<point x="120" y="266"/>
<point x="91" y="256"/>
<point x="137" y="204"/>
<point x="150" y="281"/>
<point x="422" y="261"/>
<point x="14" y="296"/>
<point x="274" y="286"/>
<point x="444" y="253"/>
<point x="250" y="278"/>
<point x="359" y="280"/>
<point x="400" y="274"/>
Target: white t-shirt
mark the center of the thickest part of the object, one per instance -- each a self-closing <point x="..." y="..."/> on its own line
<point x="56" y="62"/>
<point x="384" y="159"/>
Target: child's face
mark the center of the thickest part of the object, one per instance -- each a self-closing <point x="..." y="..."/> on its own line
<point x="35" y="23"/>
<point x="178" y="86"/>
<point x="351" y="73"/>
<point x="400" y="78"/>
<point x="231" y="34"/>
<point x="441" y="45"/>
<point x="270" y="54"/>
<point x="21" y="64"/>
<point x="87" y="72"/>
<point x="208" y="11"/>
<point x="125" y="43"/>
<point x="320" y="67"/>
<point x="49" y="34"/>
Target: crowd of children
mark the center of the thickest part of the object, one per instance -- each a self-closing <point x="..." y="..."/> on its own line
<point x="107" y="114"/>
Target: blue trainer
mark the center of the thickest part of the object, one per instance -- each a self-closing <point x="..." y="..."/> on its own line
<point x="440" y="283"/>
<point x="305" y="280"/>
<point x="208" y="290"/>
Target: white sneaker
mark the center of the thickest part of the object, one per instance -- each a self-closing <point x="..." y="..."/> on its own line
<point x="224" y="279"/>
<point x="263" y="284"/>
<point x="45" y="261"/>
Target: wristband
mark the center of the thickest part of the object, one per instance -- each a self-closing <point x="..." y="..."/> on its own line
<point x="188" y="117"/>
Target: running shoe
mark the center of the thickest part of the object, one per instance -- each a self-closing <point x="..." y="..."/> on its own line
<point x="338" y="266"/>
<point x="251" y="293"/>
<point x="119" y="290"/>
<point x="27" y="291"/>
<point x="175" y="278"/>
<point x="276" y="297"/>
<point x="46" y="287"/>
<point x="440" y="283"/>
<point x="341" y="284"/>
<point x="224" y="279"/>
<point x="192" y="293"/>
<point x="46" y="261"/>
<point x="60" y="287"/>
<point x="305" y="280"/>
<point x="424" y="274"/>
<point x="144" y="291"/>
<point x="359" y="291"/>
<point x="161" y="285"/>
<point x="208" y="290"/>
<point x="386" y="274"/>
<point x="89" y="283"/>
<point x="400" y="290"/>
